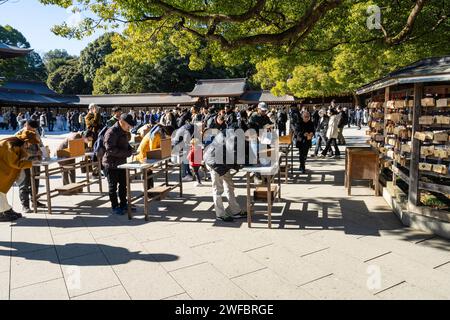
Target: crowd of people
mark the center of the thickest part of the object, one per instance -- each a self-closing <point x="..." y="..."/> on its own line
<point x="109" y="136"/>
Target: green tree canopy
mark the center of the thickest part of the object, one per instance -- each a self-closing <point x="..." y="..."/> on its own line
<point x="125" y="72"/>
<point x="68" y="79"/>
<point x="93" y="56"/>
<point x="55" y="59"/>
<point x="322" y="46"/>
<point x="29" y="67"/>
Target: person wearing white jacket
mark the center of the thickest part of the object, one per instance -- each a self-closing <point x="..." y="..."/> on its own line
<point x="332" y="133"/>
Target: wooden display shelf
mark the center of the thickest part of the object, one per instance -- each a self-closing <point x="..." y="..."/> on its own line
<point x="445" y="190"/>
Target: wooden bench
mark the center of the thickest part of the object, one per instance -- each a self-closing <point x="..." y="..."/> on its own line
<point x="72" y="188"/>
<point x="260" y="193"/>
<point x="159" y="192"/>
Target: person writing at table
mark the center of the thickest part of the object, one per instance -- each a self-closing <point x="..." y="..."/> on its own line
<point x="117" y="150"/>
<point x="152" y="141"/>
<point x="303" y="133"/>
<point x="35" y="154"/>
<point x="13" y="159"/>
<point x="222" y="181"/>
<point x="69" y="176"/>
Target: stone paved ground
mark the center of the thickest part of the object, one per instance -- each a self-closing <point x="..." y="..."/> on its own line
<point x="323" y="245"/>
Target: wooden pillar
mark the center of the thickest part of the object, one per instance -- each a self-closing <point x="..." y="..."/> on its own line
<point x="414" y="194"/>
<point x="387" y="92"/>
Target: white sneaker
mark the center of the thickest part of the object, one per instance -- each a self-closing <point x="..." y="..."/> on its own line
<point x="188" y="178"/>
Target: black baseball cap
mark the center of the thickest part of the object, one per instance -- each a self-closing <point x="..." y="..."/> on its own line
<point x="128" y="118"/>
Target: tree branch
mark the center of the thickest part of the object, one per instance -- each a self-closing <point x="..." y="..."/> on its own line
<point x="334" y="45"/>
<point x="407" y="29"/>
<point x="303" y="27"/>
<point x="205" y="18"/>
<point x="438" y="23"/>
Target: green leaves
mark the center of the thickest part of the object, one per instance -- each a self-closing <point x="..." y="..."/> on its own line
<point x="29" y="67"/>
<point x="305" y="48"/>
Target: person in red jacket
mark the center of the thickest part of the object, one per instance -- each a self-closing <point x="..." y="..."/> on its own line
<point x="195" y="157"/>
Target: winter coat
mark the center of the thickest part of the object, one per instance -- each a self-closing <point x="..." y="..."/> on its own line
<point x="117" y="148"/>
<point x="322" y="125"/>
<point x="12" y="160"/>
<point x="93" y="122"/>
<point x="300" y="130"/>
<point x="332" y="131"/>
<point x="151" y="141"/>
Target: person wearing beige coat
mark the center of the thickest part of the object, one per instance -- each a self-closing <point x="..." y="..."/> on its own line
<point x="332" y="133"/>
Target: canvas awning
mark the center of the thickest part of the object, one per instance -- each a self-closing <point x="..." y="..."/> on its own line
<point x="219" y="88"/>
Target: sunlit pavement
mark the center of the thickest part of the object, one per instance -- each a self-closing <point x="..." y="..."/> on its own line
<point x="323" y="245"/>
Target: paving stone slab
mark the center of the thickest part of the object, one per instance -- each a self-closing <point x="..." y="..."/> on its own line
<point x="75" y="244"/>
<point x="267" y="285"/>
<point x="49" y="290"/>
<point x="407" y="291"/>
<point x="203" y="281"/>
<point x="183" y="296"/>
<point x="423" y="254"/>
<point x="172" y="254"/>
<point x="4" y="285"/>
<point x="335" y="288"/>
<point x="416" y="274"/>
<point x="26" y="267"/>
<point x="227" y="259"/>
<point x="144" y="279"/>
<point x="89" y="273"/>
<point x="353" y="270"/>
<point x="292" y="269"/>
<point x="113" y="293"/>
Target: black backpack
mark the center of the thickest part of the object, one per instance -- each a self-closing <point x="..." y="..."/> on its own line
<point x="99" y="146"/>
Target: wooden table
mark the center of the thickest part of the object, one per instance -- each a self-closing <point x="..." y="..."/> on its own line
<point x="362" y="163"/>
<point x="157" y="167"/>
<point x="286" y="146"/>
<point x="285" y="149"/>
<point x="48" y="172"/>
<point x="269" y="172"/>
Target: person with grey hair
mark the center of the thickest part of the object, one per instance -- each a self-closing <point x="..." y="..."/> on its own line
<point x="93" y="120"/>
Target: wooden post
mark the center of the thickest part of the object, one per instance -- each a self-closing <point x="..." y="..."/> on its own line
<point x="249" y="209"/>
<point x="47" y="190"/>
<point x="145" y="174"/>
<point x="269" y="198"/>
<point x="99" y="173"/>
<point x="34" y="192"/>
<point x="127" y="173"/>
<point x="414" y="194"/>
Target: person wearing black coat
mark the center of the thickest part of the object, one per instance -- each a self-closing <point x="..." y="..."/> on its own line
<point x="294" y="117"/>
<point x="321" y="131"/>
<point x="117" y="150"/>
<point x="315" y="116"/>
<point x="303" y="134"/>
<point x="186" y="116"/>
<point x="231" y="120"/>
<point x="281" y="121"/>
